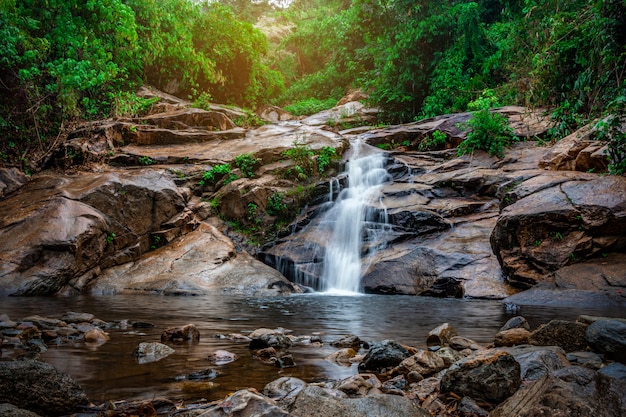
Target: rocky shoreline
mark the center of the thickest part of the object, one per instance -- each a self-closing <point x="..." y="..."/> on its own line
<point x="556" y="368"/>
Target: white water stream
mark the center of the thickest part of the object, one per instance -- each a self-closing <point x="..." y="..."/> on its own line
<point x="356" y="218"/>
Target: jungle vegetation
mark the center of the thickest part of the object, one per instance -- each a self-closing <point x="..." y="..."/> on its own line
<point x="68" y="60"/>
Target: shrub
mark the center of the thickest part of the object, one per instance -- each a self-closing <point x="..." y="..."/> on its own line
<point x="276" y="204"/>
<point x="223" y="170"/>
<point x="246" y="162"/>
<point x="436" y="139"/>
<point x="326" y="156"/>
<point x="310" y="106"/>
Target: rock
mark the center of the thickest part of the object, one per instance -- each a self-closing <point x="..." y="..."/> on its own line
<point x="567" y="334"/>
<point x="342" y="357"/>
<point x="383" y="355"/>
<point x="441" y="335"/>
<point x="39" y="387"/>
<point x="615" y="370"/>
<point x="284" y="390"/>
<point x="555" y="224"/>
<point x="11" y="179"/>
<point x="395" y="385"/>
<point x="203" y="261"/>
<point x="515" y="323"/>
<point x="425" y="388"/>
<point x="587" y="359"/>
<point x="273" y="114"/>
<point x="490" y="375"/>
<point x="152" y="352"/>
<point x="535" y="365"/>
<point x="460" y="343"/>
<point x="574" y="152"/>
<point x="222" y="357"/>
<point x="350" y="341"/>
<point x="246" y="403"/>
<point x="468" y="408"/>
<point x="562" y="392"/>
<point x="203" y="375"/>
<point x="9" y="410"/>
<point x="449" y="355"/>
<point x="424" y="362"/>
<point x="512" y="337"/>
<point x="277" y="341"/>
<point x="608" y="337"/>
<point x="315" y="401"/>
<point x="361" y="385"/>
<point x="96" y="336"/>
<point x="188" y="332"/>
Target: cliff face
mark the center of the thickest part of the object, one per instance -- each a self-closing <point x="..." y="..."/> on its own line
<point x="178" y="202"/>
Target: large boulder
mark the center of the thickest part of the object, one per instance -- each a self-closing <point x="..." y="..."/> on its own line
<point x="567" y="392"/>
<point x="489" y="375"/>
<point x="569" y="335"/>
<point x="608" y="337"/>
<point x="315" y="401"/>
<point x="383" y="355"/>
<point x="58" y="229"/>
<point x="579" y="151"/>
<point x="39" y="387"/>
<point x="554" y="224"/>
<point x="246" y="403"/>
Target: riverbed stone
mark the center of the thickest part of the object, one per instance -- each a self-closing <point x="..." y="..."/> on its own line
<point x="284" y="390"/>
<point x="536" y="364"/>
<point x="441" y="335"/>
<point x="222" y="357"/>
<point x="512" y="337"/>
<point x="589" y="360"/>
<point x="9" y="410"/>
<point x="570" y="389"/>
<point x="567" y="334"/>
<point x="96" y="336"/>
<point x="383" y="355"/>
<point x="360" y="385"/>
<point x="349" y="341"/>
<point x="246" y="403"/>
<point x="608" y="337"/>
<point x="342" y="357"/>
<point x="148" y="352"/>
<point x="461" y="343"/>
<point x="39" y="387"/>
<point x="315" y="401"/>
<point x="187" y="332"/>
<point x="424" y="362"/>
<point x="491" y="375"/>
<point x="515" y="323"/>
<point x="615" y="370"/>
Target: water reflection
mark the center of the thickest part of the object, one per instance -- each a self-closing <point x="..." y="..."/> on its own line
<point x="110" y="371"/>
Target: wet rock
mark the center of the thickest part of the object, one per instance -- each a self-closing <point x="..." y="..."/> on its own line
<point x="490" y="375"/>
<point x="516" y="322"/>
<point x="360" y="385"/>
<point x="395" y="386"/>
<point x="424" y="389"/>
<point x="467" y="407"/>
<point x="44" y="323"/>
<point x="449" y="355"/>
<point x="9" y="410"/>
<point x="512" y="337"/>
<point x="284" y="390"/>
<point x="10" y="180"/>
<point x="460" y="343"/>
<point x="315" y="401"/>
<point x="588" y="392"/>
<point x="587" y="359"/>
<point x="574" y="152"/>
<point x="350" y="341"/>
<point x="441" y="335"/>
<point x="246" y="403"/>
<point x="383" y="355"/>
<point x="534" y="365"/>
<point x="615" y="370"/>
<point x="203" y="375"/>
<point x="152" y="352"/>
<point x="188" y="332"/>
<point x="342" y="357"/>
<point x="424" y="362"/>
<point x="274" y="340"/>
<point x="222" y="357"/>
<point x="143" y="325"/>
<point x="285" y="361"/>
<point x="39" y="387"/>
<point x="608" y="337"/>
<point x="96" y="336"/>
<point x="567" y="334"/>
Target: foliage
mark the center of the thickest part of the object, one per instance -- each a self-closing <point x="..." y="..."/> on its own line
<point x="613" y="129"/>
<point x="146" y="160"/>
<point x="276" y="204"/>
<point x="128" y="104"/>
<point x="490" y="131"/>
<point x="301" y="155"/>
<point x="326" y="155"/>
<point x="219" y="171"/>
<point x="246" y="163"/>
<point x="310" y="106"/>
<point x="434" y="141"/>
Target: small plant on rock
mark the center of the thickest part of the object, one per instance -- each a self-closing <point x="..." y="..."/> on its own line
<point x="214" y="173"/>
<point x="326" y="155"/>
<point x="434" y="141"/>
<point x="246" y="163"/>
<point x="276" y="204"/>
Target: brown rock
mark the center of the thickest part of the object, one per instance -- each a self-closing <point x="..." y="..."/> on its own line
<point x="512" y="337"/>
<point x="424" y="362"/>
<point x="96" y="336"/>
<point x="568" y="335"/>
<point x="441" y="335"/>
<point x="188" y="332"/>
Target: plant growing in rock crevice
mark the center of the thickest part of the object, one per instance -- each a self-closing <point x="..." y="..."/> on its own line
<point x="246" y="163"/>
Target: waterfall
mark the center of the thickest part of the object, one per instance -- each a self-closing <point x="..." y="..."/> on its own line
<point x="356" y="220"/>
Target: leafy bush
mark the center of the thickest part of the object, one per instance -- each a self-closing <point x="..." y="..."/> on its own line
<point x="488" y="131"/>
<point x="301" y="155"/>
<point x="613" y="129"/>
<point x="213" y="175"/>
<point x="435" y="141"/>
<point x="246" y="163"/>
<point x="276" y="204"/>
<point x="326" y="155"/>
<point x="310" y="106"/>
<point x="128" y="104"/>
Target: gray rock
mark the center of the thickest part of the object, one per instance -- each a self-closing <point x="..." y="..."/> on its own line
<point x="615" y="370"/>
<point x="608" y="336"/>
<point x="569" y="391"/>
<point x="315" y="401"/>
<point x="284" y="390"/>
<point x="383" y="355"/>
<point x="350" y="341"/>
<point x="9" y="410"/>
<point x="39" y="387"/>
<point x="491" y="375"/>
<point x="460" y="343"/>
<point x="360" y="385"/>
<point x="152" y="352"/>
<point x="515" y="323"/>
<point x="424" y="362"/>
<point x="589" y="360"/>
<point x="245" y="403"/>
<point x="534" y="365"/>
<point x="441" y="335"/>
<point x="74" y="317"/>
<point x="468" y="408"/>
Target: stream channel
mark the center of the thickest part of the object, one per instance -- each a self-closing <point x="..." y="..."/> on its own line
<point x="110" y="372"/>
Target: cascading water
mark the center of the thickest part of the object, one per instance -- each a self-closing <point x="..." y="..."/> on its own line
<point x="356" y="219"/>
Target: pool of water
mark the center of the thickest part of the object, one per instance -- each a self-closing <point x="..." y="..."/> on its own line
<point x="110" y="372"/>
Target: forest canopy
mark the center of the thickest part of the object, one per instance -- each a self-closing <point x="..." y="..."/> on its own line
<point x="65" y="60"/>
